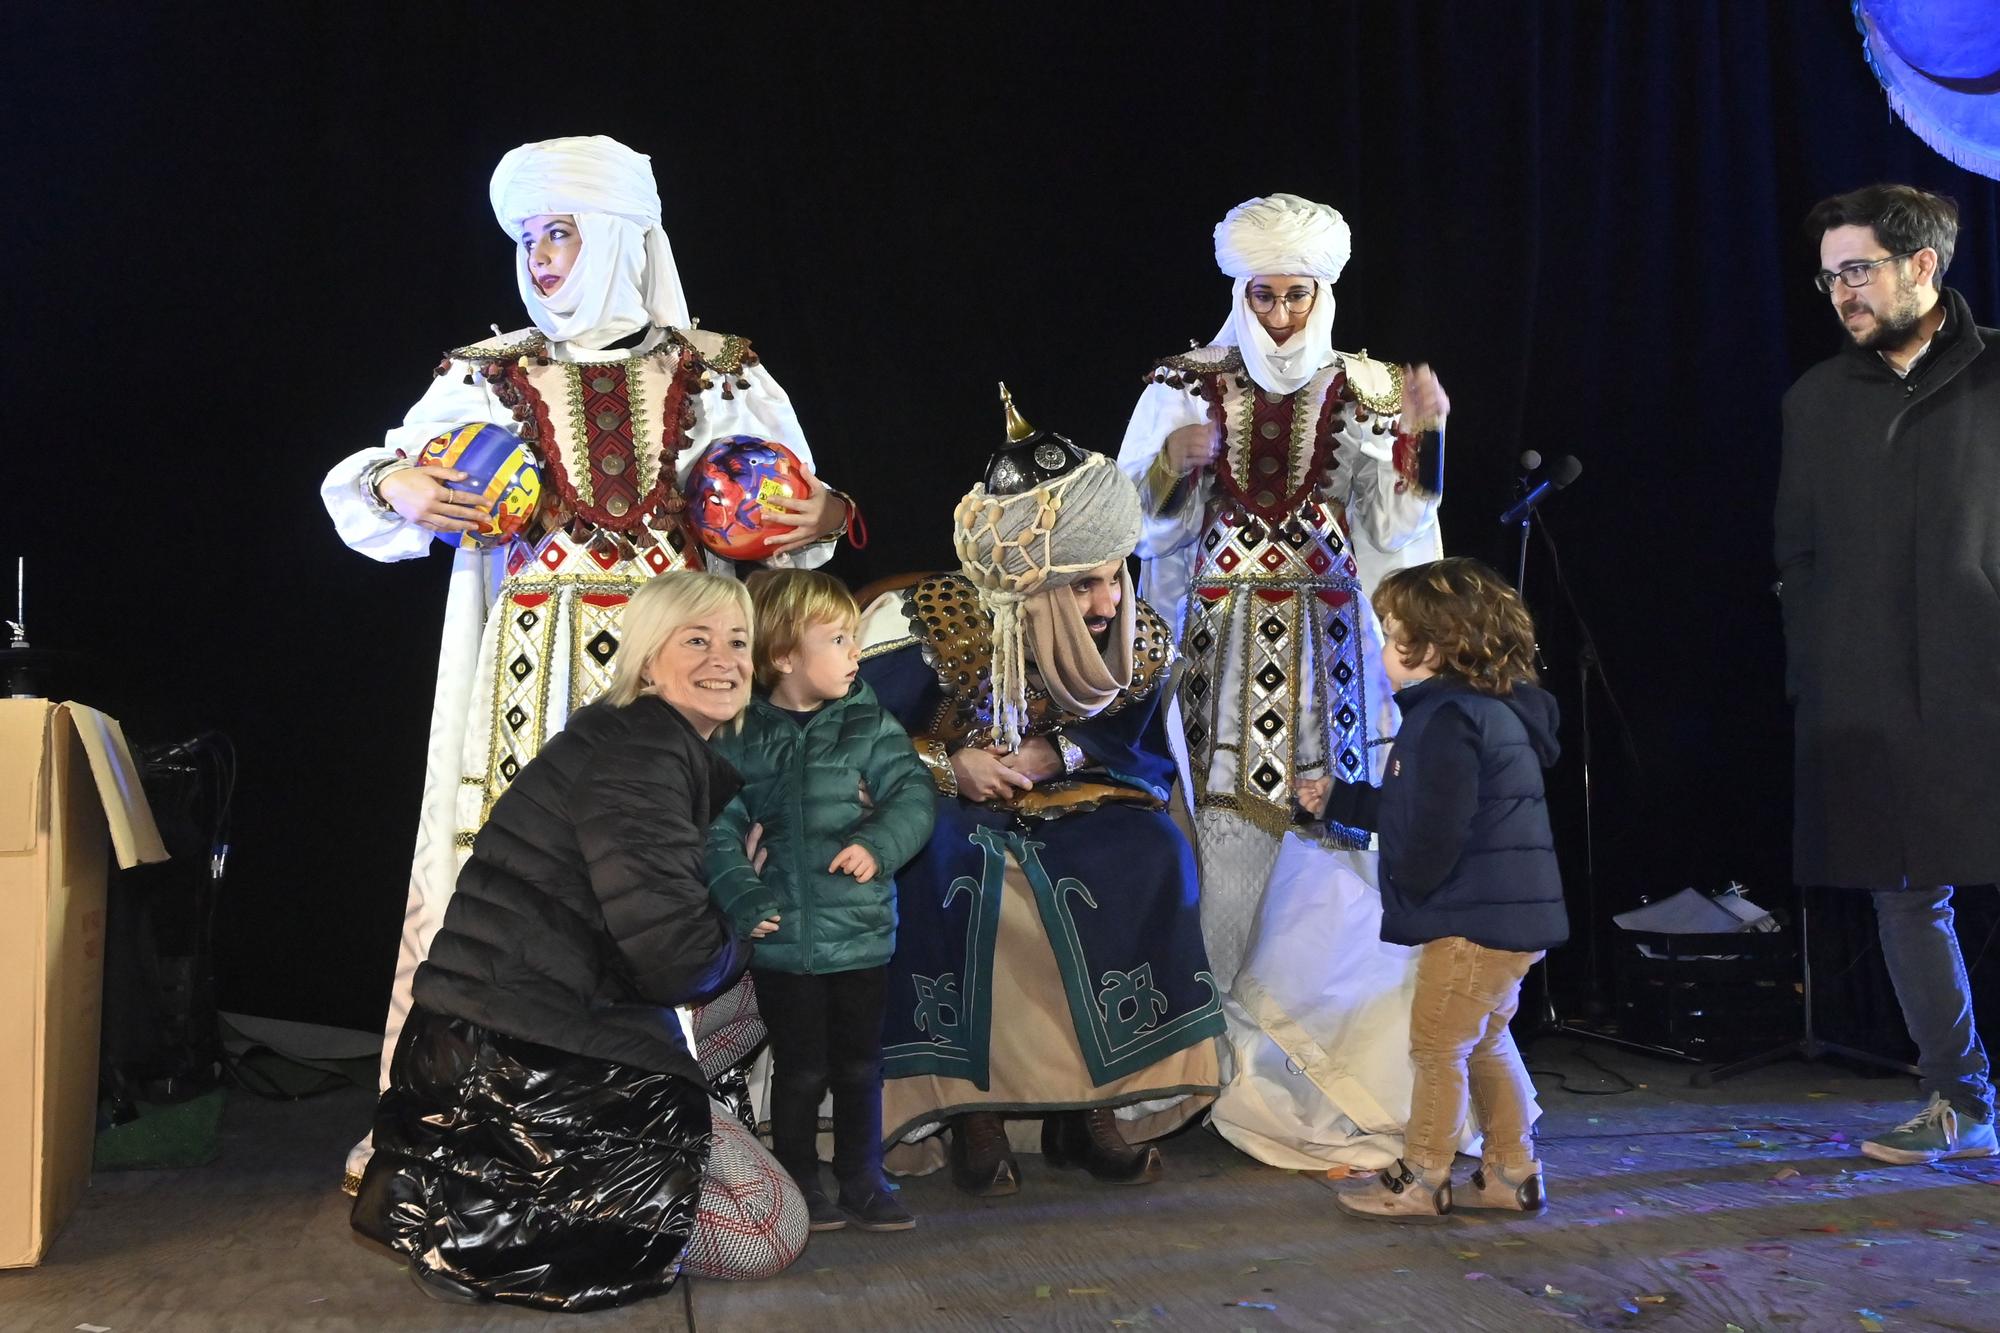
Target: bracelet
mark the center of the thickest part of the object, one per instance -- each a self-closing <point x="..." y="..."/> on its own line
<point x="938" y="761"/>
<point x="1165" y="490"/>
<point x="371" y="482"/>
<point x="851" y="527"/>
<point x="1073" y="757"/>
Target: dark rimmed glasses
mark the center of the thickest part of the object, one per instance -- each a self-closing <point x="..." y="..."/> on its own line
<point x="1858" y="274"/>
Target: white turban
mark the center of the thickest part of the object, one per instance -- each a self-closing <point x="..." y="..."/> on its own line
<point x="1282" y="234"/>
<point x="624" y="278"/>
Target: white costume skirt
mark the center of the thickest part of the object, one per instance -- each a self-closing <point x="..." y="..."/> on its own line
<point x="1318" y="1071"/>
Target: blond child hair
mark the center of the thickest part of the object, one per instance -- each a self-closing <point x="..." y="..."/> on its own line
<point x="788" y="602"/>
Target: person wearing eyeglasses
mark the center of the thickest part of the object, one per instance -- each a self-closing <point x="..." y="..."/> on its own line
<point x="1280" y="479"/>
<point x="1888" y="546"/>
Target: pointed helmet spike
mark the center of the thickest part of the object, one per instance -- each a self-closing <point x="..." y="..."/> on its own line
<point x="1017" y="428"/>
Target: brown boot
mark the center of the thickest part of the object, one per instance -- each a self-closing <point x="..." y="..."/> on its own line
<point x="981" y="1163"/>
<point x="1090" y="1139"/>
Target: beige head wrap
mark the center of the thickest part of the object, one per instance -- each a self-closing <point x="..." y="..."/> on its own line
<point x="1022" y="551"/>
<point x="624" y="278"/>
<point x="1281" y="234"/>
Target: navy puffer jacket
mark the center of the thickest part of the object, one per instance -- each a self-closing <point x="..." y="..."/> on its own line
<point x="1464" y="823"/>
<point x="804" y="784"/>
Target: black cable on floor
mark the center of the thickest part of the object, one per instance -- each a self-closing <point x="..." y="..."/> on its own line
<point x="1562" y="1079"/>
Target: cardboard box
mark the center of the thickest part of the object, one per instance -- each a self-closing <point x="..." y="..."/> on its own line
<point x="66" y="781"/>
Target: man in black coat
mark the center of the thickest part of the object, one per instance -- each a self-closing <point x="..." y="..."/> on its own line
<point x="1888" y="543"/>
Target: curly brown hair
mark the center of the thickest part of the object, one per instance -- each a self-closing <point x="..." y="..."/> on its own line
<point x="1469" y="614"/>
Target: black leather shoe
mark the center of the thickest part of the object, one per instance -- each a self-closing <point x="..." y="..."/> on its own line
<point x="1090" y="1139"/>
<point x="981" y="1163"/>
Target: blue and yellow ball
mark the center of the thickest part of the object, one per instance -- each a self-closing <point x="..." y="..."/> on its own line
<point x="503" y="476"/>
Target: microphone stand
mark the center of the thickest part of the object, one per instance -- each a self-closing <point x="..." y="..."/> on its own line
<point x="1521" y="558"/>
<point x="1589" y="664"/>
<point x="1548" y="1018"/>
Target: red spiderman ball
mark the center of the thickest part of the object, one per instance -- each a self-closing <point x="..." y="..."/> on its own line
<point x="734" y="492"/>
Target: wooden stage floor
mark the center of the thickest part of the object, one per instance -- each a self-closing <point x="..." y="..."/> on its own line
<point x="1742" y="1207"/>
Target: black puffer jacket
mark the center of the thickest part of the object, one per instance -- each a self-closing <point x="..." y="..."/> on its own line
<point x="583" y="914"/>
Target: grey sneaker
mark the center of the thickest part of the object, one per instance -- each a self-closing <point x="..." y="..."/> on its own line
<point x="1936" y="1133"/>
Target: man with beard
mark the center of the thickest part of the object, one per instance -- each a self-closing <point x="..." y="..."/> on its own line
<point x="1049" y="958"/>
<point x="1888" y="541"/>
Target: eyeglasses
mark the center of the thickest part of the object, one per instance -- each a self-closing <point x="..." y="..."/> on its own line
<point x="1298" y="302"/>
<point x="1858" y="274"/>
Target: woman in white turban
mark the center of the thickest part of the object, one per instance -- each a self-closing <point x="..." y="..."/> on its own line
<point x="1280" y="479"/>
<point x="617" y="392"/>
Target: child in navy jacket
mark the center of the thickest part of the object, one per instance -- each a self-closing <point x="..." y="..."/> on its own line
<point x="1468" y="872"/>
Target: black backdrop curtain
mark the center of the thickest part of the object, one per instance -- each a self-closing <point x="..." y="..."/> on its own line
<point x="241" y="239"/>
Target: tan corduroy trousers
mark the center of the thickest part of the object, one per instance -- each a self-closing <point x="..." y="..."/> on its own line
<point x="1459" y="1042"/>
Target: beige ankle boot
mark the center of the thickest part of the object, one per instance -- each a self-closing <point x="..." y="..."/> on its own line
<point x="1492" y="1187"/>
<point x="1398" y="1194"/>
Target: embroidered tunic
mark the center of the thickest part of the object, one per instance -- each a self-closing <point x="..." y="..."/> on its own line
<point x="531" y="627"/>
<point x="1265" y="560"/>
<point x="1260" y="554"/>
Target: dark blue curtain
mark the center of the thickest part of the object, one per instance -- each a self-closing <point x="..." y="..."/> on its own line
<point x="241" y="242"/>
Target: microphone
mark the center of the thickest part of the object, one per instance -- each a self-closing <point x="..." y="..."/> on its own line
<point x="1530" y="462"/>
<point x="1565" y="471"/>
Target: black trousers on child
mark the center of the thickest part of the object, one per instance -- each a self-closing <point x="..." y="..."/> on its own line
<point x="826" y="1032"/>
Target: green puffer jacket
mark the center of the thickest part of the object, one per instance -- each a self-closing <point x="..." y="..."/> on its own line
<point x="804" y="785"/>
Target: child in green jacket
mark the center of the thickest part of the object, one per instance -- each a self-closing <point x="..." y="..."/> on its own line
<point x="843" y="802"/>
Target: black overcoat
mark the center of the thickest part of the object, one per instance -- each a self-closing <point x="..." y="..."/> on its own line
<point x="1888" y="545"/>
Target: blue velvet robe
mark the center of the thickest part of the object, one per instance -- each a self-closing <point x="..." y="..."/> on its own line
<point x="1115" y="883"/>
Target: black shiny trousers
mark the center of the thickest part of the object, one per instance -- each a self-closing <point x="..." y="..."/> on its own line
<point x="826" y="1034"/>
